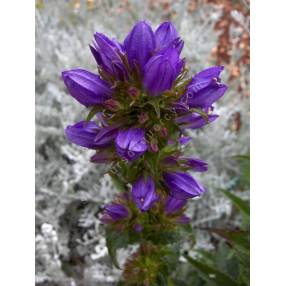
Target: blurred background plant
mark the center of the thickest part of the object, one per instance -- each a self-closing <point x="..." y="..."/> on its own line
<point x="70" y="246"/>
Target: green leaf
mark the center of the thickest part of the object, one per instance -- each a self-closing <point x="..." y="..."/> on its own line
<point x="119" y="185"/>
<point x="212" y="275"/>
<point x="114" y="241"/>
<point x="238" y="202"/>
<point x="238" y="238"/>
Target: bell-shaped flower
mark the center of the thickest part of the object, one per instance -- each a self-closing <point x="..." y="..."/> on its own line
<point x="90" y="135"/>
<point x="194" y="120"/>
<point x="143" y="193"/>
<point x="196" y="165"/>
<point x="165" y="34"/>
<point x="87" y="88"/>
<point x="140" y="44"/>
<point x="108" y="55"/>
<point x="131" y="143"/>
<point x="114" y="212"/>
<point x="182" y="185"/>
<point x="161" y="71"/>
<point x="173" y="205"/>
<point x="205" y="88"/>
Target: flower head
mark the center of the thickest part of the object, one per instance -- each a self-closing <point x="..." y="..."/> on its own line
<point x="205" y="88"/>
<point x="143" y="193"/>
<point x="139" y="44"/>
<point x="108" y="55"/>
<point x="90" y="135"/>
<point x="182" y="185"/>
<point x="131" y="143"/>
<point x="87" y="88"/>
<point x="173" y="205"/>
<point x="114" y="212"/>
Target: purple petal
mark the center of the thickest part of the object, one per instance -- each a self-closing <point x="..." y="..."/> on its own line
<point x="197" y="165"/>
<point x="83" y="133"/>
<point x="143" y="193"/>
<point x="173" y="205"/>
<point x="165" y="34"/>
<point x="87" y="88"/>
<point x="182" y="185"/>
<point x="139" y="44"/>
<point x="105" y="136"/>
<point x="131" y="143"/>
<point x="207" y="96"/>
<point x="194" y="121"/>
<point x="116" y="211"/>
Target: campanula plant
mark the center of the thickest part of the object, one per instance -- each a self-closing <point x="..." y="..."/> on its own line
<point x="140" y="106"/>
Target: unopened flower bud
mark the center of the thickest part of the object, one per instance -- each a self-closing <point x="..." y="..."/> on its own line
<point x="154" y="145"/>
<point x="112" y="104"/>
<point x="143" y="117"/>
<point x="133" y="92"/>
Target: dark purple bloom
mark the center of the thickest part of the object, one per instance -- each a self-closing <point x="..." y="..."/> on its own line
<point x="184" y="140"/>
<point x="87" y="88"/>
<point x="108" y="55"/>
<point x="182" y="185"/>
<point x="165" y="34"/>
<point x="116" y="211"/>
<point x="131" y="143"/>
<point x="143" y="193"/>
<point x="194" y="120"/>
<point x="161" y="71"/>
<point x="205" y="88"/>
<point x="140" y="44"/>
<point x="90" y="135"/>
<point x="82" y="133"/>
<point x="173" y="205"/>
<point x="197" y="165"/>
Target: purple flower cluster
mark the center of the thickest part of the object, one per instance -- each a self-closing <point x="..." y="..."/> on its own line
<point x="141" y="103"/>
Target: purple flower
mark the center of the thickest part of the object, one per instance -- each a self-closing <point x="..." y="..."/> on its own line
<point x="197" y="165"/>
<point x="165" y="34"/>
<point x="168" y="66"/>
<point x="116" y="211"/>
<point x="90" y="135"/>
<point x="140" y="44"/>
<point x="143" y="193"/>
<point x="131" y="143"/>
<point x="182" y="185"/>
<point x="87" y="88"/>
<point x="194" y="120"/>
<point x="173" y="205"/>
<point x="184" y="140"/>
<point x="205" y="88"/>
<point x="108" y="55"/>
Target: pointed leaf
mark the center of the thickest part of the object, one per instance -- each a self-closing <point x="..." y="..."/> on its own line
<point x="115" y="241"/>
<point x="210" y="274"/>
<point x="238" y="202"/>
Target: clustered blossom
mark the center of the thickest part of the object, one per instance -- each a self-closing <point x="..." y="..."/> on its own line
<point x="140" y="106"/>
